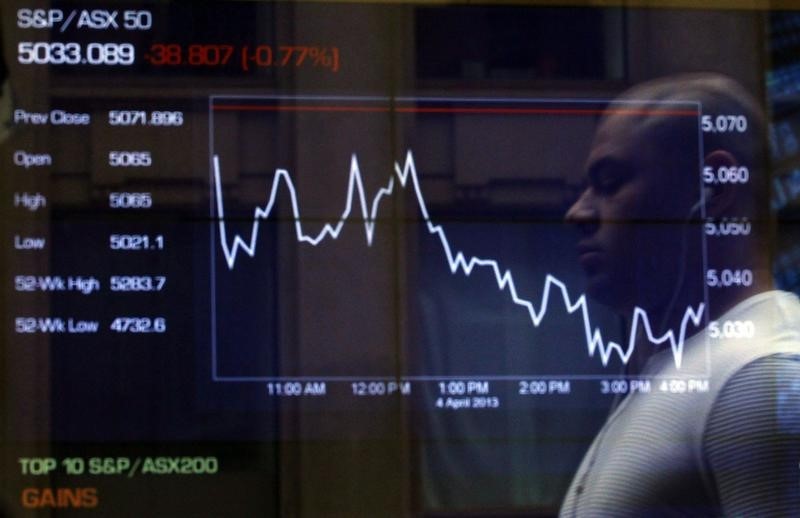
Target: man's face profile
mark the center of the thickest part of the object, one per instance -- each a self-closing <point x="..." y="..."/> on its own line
<point x="632" y="214"/>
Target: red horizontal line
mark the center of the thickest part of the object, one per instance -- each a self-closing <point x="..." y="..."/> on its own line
<point x="248" y="107"/>
<point x="490" y="111"/>
<point x="554" y="111"/>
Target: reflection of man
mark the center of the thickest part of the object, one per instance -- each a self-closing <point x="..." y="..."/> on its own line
<point x="733" y="448"/>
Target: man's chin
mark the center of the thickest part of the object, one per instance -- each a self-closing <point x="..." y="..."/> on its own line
<point x="601" y="290"/>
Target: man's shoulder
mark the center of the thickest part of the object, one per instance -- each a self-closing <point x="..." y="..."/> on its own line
<point x="752" y="437"/>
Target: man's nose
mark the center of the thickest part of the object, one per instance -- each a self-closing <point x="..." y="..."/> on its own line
<point x="583" y="214"/>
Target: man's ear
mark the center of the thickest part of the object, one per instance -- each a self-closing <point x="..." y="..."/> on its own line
<point x="720" y="195"/>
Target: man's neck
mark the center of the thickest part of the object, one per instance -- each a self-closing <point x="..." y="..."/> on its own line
<point x="666" y="319"/>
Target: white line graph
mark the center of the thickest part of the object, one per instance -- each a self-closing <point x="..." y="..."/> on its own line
<point x="406" y="176"/>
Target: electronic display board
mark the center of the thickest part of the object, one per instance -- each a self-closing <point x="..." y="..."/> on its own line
<point x="399" y="259"/>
